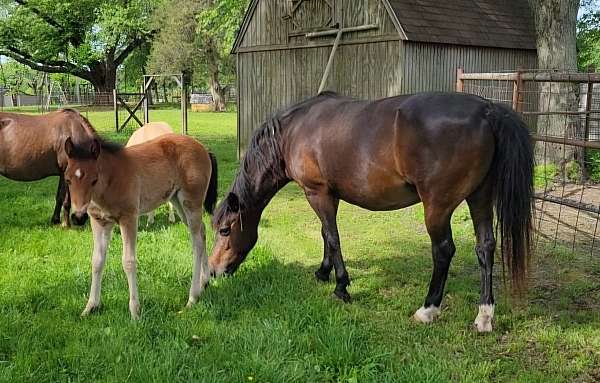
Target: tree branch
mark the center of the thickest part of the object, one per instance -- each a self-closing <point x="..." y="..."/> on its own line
<point x="52" y="67"/>
<point x="135" y="43"/>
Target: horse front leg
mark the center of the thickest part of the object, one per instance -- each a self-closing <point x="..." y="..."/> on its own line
<point x="102" y="232"/>
<point x="442" y="251"/>
<point x="326" y="207"/>
<point x="129" y="226"/>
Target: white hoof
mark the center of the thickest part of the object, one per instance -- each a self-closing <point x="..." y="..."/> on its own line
<point x="89" y="308"/>
<point x="134" y="309"/>
<point x="426" y="315"/>
<point x="483" y="322"/>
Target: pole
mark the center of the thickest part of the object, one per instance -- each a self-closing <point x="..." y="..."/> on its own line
<point x="330" y="62"/>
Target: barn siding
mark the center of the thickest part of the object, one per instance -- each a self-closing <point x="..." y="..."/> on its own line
<point x="269" y="81"/>
<point x="432" y="67"/>
<point x="269" y="29"/>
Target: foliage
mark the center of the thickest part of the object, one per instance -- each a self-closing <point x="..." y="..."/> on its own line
<point x="272" y="322"/>
<point x="573" y="171"/>
<point x="593" y="164"/>
<point x="588" y="35"/>
<point x="544" y="175"/>
<point x="189" y="30"/>
<point x="80" y="37"/>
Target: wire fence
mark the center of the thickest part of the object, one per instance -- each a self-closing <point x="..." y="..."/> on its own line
<point x="562" y="110"/>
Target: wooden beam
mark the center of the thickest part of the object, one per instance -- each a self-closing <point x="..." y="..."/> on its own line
<point x="330" y="62"/>
<point x="333" y="32"/>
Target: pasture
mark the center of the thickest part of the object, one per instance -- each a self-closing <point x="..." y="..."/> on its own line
<point x="272" y="321"/>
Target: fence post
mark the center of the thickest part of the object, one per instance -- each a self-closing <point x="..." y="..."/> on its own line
<point x="460" y="83"/>
<point x="517" y="100"/>
<point x="116" y="107"/>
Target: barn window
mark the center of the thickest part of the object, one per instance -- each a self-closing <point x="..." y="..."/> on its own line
<point x="310" y="15"/>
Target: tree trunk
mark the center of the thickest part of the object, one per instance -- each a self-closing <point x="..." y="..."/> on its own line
<point x="217" y="91"/>
<point x="556" y="22"/>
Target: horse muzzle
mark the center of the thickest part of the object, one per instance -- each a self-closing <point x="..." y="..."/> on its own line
<point x="79" y="219"/>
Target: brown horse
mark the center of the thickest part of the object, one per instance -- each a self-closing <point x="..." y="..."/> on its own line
<point x="115" y="185"/>
<point x="146" y="133"/>
<point x="31" y="148"/>
<point x="435" y="148"/>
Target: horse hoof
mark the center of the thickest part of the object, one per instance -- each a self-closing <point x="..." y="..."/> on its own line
<point x="89" y="309"/>
<point x="483" y="322"/>
<point x="55" y="221"/>
<point x="343" y="295"/>
<point x="321" y="276"/>
<point x="426" y="315"/>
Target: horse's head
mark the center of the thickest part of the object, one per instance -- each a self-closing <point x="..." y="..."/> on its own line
<point x="81" y="176"/>
<point x="237" y="233"/>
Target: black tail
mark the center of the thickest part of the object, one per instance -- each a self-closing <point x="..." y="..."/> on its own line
<point x="512" y="171"/>
<point x="211" y="195"/>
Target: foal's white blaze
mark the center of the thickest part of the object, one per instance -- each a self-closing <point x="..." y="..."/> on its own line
<point x="78" y="173"/>
<point x="483" y="322"/>
<point x="427" y="314"/>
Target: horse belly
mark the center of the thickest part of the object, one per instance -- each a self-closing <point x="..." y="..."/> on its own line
<point x="387" y="197"/>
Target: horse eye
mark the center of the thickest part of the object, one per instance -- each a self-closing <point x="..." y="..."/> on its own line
<point x="225" y="231"/>
<point x="94" y="182"/>
<point x="68" y="182"/>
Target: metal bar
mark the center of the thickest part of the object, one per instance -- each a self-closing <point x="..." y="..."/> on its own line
<point x="562" y="77"/>
<point x="591" y="208"/>
<point x="566" y="141"/>
<point x="511" y="76"/>
<point x="330" y="62"/>
<point x="562" y="112"/>
<point x="333" y="32"/>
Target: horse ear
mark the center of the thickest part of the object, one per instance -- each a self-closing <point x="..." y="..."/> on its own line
<point x="95" y="148"/>
<point x="233" y="202"/>
<point x="69" y="147"/>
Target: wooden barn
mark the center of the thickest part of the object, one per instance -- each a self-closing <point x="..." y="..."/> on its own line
<point x="371" y="49"/>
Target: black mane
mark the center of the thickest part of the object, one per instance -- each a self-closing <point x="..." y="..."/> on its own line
<point x="263" y="158"/>
<point x="82" y="150"/>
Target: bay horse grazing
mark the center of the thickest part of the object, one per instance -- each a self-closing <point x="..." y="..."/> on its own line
<point x="114" y="185"/>
<point x="435" y="148"/>
<point x="32" y="148"/>
<point x="146" y="133"/>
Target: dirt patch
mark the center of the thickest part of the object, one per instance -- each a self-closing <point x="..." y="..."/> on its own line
<point x="573" y="227"/>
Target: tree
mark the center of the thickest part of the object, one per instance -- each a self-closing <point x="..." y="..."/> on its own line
<point x="86" y="38"/>
<point x="556" y="25"/>
<point x="196" y="37"/>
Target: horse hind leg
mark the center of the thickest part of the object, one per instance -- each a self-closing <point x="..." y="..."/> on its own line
<point x="61" y="192"/>
<point x="480" y="206"/>
<point x="437" y="220"/>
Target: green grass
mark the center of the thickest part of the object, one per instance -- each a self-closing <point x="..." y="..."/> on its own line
<point x="272" y="322"/>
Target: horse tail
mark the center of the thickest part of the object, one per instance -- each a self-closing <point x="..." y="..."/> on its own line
<point x="211" y="194"/>
<point x="512" y="178"/>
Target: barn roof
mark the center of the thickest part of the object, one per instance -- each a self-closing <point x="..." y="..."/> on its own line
<point x="485" y="23"/>
<point x="489" y="23"/>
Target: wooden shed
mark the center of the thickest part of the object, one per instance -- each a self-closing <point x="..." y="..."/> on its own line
<point x="376" y="48"/>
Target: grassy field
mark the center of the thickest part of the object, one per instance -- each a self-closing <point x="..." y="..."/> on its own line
<point x="272" y="322"/>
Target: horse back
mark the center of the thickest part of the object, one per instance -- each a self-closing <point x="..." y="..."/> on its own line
<point x="148" y="132"/>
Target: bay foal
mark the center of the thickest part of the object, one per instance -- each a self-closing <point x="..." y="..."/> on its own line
<point x="147" y="133"/>
<point x="114" y="185"/>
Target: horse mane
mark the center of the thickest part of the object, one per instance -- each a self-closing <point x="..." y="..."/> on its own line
<point x="264" y="155"/>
